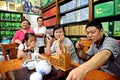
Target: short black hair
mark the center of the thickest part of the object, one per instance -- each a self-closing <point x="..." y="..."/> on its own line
<point x="94" y="23"/>
<point x="39" y="18"/>
<point x="26" y="20"/>
<point x="58" y="26"/>
<point x="27" y="35"/>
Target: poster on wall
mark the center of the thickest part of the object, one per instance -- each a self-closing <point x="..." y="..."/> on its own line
<point x="32" y="19"/>
<point x="31" y="6"/>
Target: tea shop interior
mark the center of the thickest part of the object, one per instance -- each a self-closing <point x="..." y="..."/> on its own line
<point x="60" y="40"/>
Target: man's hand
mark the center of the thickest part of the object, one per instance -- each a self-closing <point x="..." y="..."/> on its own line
<point x="79" y="45"/>
<point x="76" y="74"/>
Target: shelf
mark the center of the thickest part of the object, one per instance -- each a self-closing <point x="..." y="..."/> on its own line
<point x="52" y="4"/>
<point x="49" y="27"/>
<point x="100" y="1"/>
<point x="109" y="18"/>
<point x="80" y="22"/>
<point x="60" y="1"/>
<point x="10" y="11"/>
<point x="77" y="36"/>
<point x="9" y="21"/>
<point x="60" y="5"/>
<point x="50" y="17"/>
<point x="64" y="1"/>
<point x="74" y="9"/>
<point x="9" y="29"/>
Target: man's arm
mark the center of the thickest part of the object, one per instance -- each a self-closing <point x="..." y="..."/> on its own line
<point x="82" y="55"/>
<point x="40" y="35"/>
<point x="95" y="62"/>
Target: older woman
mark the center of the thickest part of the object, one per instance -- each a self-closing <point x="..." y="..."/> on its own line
<point x="58" y="33"/>
<point x="19" y="35"/>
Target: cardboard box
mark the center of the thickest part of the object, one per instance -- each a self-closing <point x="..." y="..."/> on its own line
<point x="19" y="7"/>
<point x="77" y="30"/>
<point x="77" y="15"/>
<point x="11" y="6"/>
<point x="66" y="30"/>
<point x="62" y="8"/>
<point x="116" y="28"/>
<point x="3" y="5"/>
<point x="84" y="14"/>
<point x="117" y="7"/>
<point x="81" y="2"/>
<point x="106" y="28"/>
<point x="104" y="9"/>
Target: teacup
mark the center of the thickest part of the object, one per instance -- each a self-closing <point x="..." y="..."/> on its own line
<point x="35" y="56"/>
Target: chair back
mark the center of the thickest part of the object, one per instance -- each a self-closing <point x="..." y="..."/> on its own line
<point x="10" y="50"/>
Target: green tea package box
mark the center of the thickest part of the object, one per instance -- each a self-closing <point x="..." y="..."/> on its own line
<point x="117" y="7"/>
<point x="104" y="9"/>
<point x="106" y="28"/>
<point x="116" y="28"/>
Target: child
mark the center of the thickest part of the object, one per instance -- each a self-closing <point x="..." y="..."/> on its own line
<point x="27" y="45"/>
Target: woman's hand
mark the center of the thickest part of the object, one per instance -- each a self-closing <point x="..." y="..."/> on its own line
<point x="49" y="41"/>
<point x="60" y="40"/>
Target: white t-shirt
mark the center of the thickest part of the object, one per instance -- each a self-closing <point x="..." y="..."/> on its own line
<point x="40" y="41"/>
<point x="22" y="46"/>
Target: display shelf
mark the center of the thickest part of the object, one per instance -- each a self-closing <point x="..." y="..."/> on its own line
<point x="74" y="12"/>
<point x="9" y="22"/>
<point x="74" y="9"/>
<point x="111" y="21"/>
<point x="90" y="5"/>
<point x="9" y="29"/>
<point x="80" y="23"/>
<point x="100" y="1"/>
<point x="60" y="1"/>
<point x="47" y="7"/>
<point x="76" y="36"/>
<point x="109" y="18"/>
<point x="51" y="13"/>
<point x="50" y="17"/>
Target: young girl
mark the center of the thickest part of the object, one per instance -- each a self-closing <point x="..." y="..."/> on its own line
<point x="27" y="45"/>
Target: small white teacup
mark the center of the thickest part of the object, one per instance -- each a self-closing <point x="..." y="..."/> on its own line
<point x="35" y="56"/>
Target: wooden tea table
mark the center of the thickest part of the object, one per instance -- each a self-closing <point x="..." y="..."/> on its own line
<point x="13" y="69"/>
